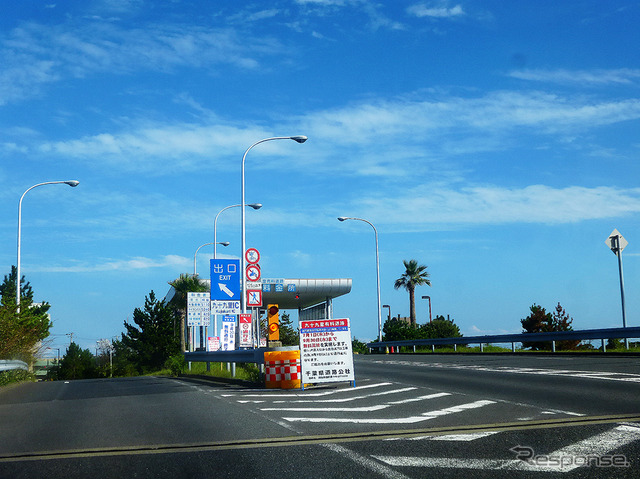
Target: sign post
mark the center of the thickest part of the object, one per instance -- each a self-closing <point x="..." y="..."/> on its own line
<point x="617" y="243"/>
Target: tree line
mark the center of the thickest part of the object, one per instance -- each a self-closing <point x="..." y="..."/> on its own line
<point x="538" y="321"/>
<point x="155" y="337"/>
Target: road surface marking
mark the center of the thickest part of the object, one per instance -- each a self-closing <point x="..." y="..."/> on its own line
<point x="594" y="446"/>
<point x="377" y="407"/>
<point x="277" y="393"/>
<point x="364" y="461"/>
<point x="397" y="420"/>
<point x="604" y="375"/>
<point x="448" y="437"/>
<point x="353" y="398"/>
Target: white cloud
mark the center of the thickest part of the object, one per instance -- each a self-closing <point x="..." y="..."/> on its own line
<point x="383" y="137"/>
<point x="622" y="76"/>
<point x="35" y="54"/>
<point x="440" y="10"/>
<point x="474" y="205"/>
<point x="179" y="263"/>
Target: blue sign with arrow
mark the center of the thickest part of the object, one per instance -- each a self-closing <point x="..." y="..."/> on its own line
<point x="225" y="280"/>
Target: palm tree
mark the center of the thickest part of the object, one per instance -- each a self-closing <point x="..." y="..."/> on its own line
<point x="186" y="283"/>
<point x="414" y="275"/>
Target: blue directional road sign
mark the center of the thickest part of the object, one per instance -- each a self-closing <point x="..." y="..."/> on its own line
<point x="225" y="280"/>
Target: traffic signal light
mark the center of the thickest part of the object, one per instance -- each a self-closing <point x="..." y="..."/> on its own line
<point x="273" y="321"/>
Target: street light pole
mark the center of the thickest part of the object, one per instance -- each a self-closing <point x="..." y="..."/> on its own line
<point x="344" y="218"/>
<point x="429" y="298"/>
<point x="299" y="139"/>
<point x="72" y="183"/>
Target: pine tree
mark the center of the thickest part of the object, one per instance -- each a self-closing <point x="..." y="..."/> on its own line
<point x="20" y="332"/>
<point x="151" y="339"/>
<point x="539" y="321"/>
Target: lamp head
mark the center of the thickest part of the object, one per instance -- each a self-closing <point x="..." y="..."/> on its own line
<point x="255" y="206"/>
<point x="72" y="183"/>
<point x="342" y="218"/>
<point x="299" y="138"/>
<point x="224" y="243"/>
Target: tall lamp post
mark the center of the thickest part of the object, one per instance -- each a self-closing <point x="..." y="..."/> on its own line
<point x="223" y="243"/>
<point x="255" y="206"/>
<point x="429" y="298"/>
<point x="344" y="218"/>
<point x="72" y="183"/>
<point x="299" y="139"/>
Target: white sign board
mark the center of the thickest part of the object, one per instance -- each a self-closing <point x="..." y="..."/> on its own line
<point x="325" y="351"/>
<point x="213" y="343"/>
<point x="228" y="335"/>
<point x="614" y="244"/>
<point x="225" y="307"/>
<point x="198" y="309"/>
<point x="254" y="298"/>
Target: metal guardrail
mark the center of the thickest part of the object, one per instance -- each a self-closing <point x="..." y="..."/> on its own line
<point x="585" y="334"/>
<point x="236" y="356"/>
<point x="10" y="364"/>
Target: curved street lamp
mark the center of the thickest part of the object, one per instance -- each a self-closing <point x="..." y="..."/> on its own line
<point x="223" y="243"/>
<point x="255" y="206"/>
<point x="344" y="218"/>
<point x="73" y="184"/>
<point x="298" y="139"/>
<point x="429" y="298"/>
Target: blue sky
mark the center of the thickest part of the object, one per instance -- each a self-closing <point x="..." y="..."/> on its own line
<point x="496" y="142"/>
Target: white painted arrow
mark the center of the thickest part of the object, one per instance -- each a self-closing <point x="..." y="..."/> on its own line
<point x="223" y="287"/>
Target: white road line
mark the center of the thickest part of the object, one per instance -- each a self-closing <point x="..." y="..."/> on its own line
<point x="597" y="445"/>
<point x="277" y="392"/>
<point x="353" y="398"/>
<point x="462" y="437"/>
<point x="592" y="447"/>
<point x="328" y="409"/>
<point x="604" y="375"/>
<point x="472" y="436"/>
<point x="421" y="398"/>
<point x="445" y="462"/>
<point x="364" y="461"/>
<point x="354" y="409"/>
<point x="401" y="420"/>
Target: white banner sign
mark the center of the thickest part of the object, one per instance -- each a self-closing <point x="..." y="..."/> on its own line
<point x="228" y="335"/>
<point x="198" y="309"/>
<point x="246" y="338"/>
<point x="325" y="351"/>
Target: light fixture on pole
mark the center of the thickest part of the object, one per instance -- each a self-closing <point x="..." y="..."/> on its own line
<point x="255" y="206"/>
<point x="388" y="311"/>
<point x="223" y="243"/>
<point x="344" y="218"/>
<point x="72" y="183"/>
<point x="298" y="139"/>
<point x="429" y="298"/>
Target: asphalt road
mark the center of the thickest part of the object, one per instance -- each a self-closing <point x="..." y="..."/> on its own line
<point x="409" y="416"/>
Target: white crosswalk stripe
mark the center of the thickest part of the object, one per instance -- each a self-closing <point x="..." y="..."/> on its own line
<point x="583" y="453"/>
